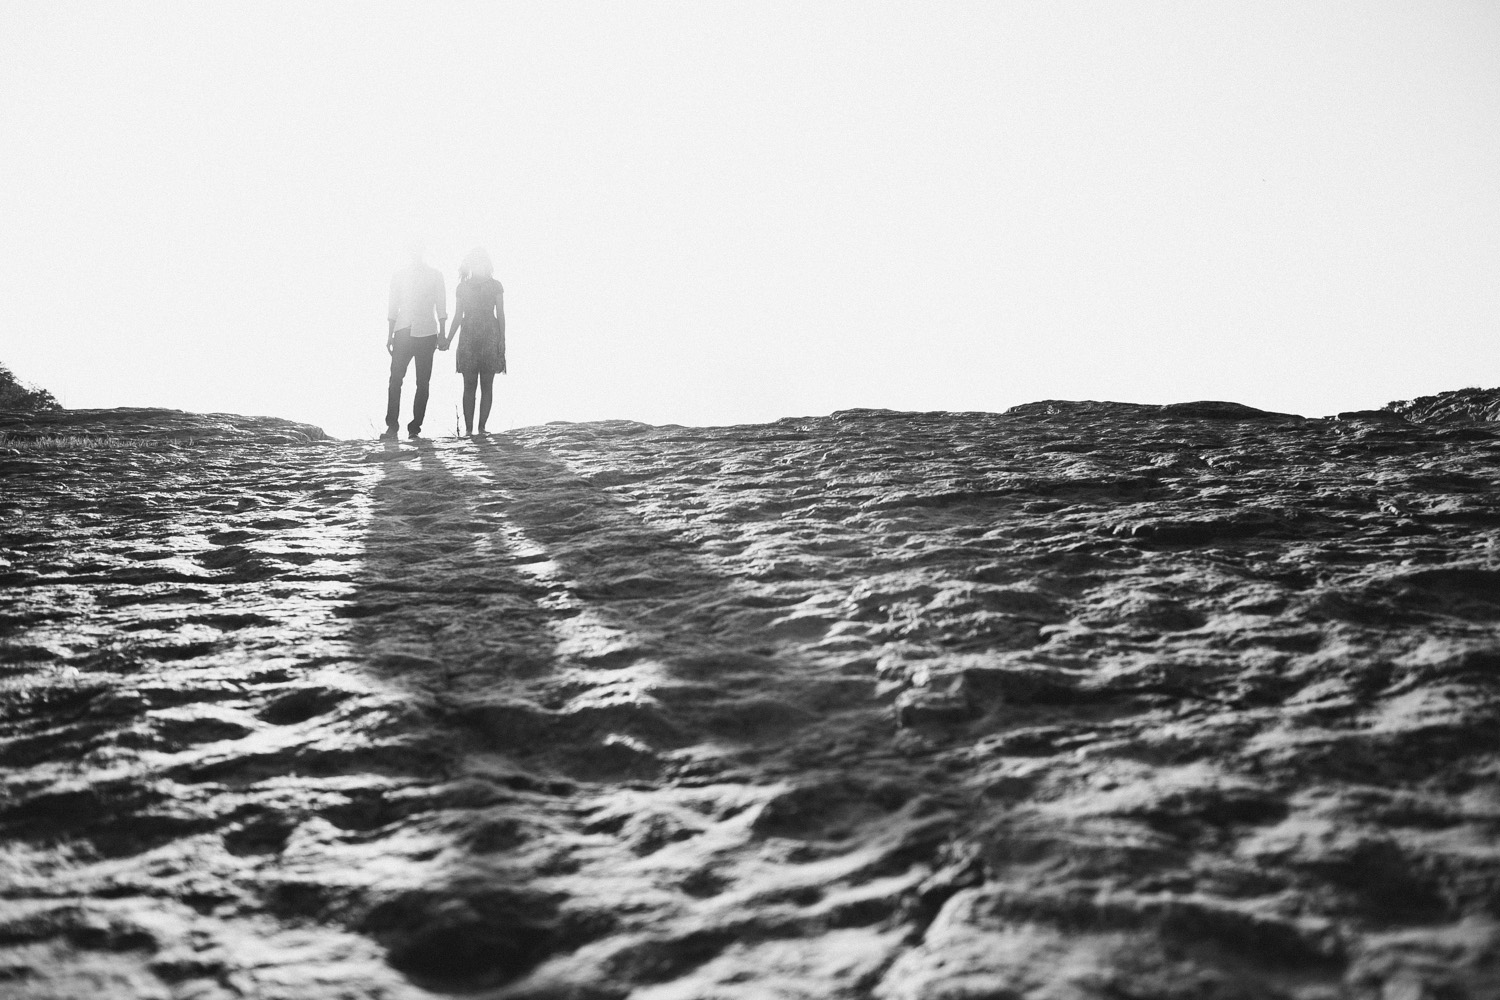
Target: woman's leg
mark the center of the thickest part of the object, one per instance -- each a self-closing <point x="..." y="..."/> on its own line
<point x="487" y="383"/>
<point x="470" y="380"/>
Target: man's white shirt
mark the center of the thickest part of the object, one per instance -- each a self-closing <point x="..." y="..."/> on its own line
<point x="417" y="296"/>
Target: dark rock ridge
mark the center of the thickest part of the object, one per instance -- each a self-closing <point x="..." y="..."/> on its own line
<point x="1460" y="406"/>
<point x="135" y="426"/>
<point x="1083" y="700"/>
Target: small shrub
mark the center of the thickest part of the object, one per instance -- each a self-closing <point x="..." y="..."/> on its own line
<point x="14" y="395"/>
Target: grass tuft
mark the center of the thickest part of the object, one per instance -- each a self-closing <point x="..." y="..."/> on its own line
<point x="47" y="444"/>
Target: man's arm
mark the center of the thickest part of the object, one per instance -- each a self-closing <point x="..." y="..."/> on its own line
<point x="390" y="317"/>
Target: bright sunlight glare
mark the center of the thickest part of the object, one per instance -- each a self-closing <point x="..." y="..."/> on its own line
<point x="734" y="212"/>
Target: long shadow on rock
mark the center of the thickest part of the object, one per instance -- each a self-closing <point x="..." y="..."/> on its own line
<point x="562" y="646"/>
<point x="549" y="621"/>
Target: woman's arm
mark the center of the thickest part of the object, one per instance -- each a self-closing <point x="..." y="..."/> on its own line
<point x="500" y="317"/>
<point x="458" y="318"/>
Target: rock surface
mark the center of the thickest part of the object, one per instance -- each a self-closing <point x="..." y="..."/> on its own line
<point x="1085" y="700"/>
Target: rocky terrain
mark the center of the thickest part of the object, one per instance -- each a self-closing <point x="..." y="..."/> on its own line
<point x="1083" y="700"/>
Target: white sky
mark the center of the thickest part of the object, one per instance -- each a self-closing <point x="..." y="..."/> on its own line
<point x="737" y="211"/>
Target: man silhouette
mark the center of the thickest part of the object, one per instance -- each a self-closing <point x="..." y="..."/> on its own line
<point x="417" y="319"/>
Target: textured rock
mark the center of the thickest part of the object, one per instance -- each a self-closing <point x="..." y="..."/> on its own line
<point x="1082" y="700"/>
<point x="1458" y="407"/>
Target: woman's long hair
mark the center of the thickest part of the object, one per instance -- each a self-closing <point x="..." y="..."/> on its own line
<point x="476" y="265"/>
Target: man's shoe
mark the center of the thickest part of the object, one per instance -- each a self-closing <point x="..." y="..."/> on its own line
<point x="413" y="434"/>
<point x="389" y="435"/>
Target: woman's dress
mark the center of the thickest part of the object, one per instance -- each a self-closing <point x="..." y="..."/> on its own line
<point x="481" y="341"/>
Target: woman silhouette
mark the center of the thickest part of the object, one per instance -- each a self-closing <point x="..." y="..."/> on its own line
<point x="479" y="316"/>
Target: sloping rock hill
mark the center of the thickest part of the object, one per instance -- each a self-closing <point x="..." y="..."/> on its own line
<point x="1084" y="700"/>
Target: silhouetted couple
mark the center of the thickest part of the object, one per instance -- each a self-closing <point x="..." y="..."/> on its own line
<point x="418" y="320"/>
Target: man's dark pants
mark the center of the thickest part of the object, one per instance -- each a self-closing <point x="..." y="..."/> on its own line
<point x="406" y="348"/>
